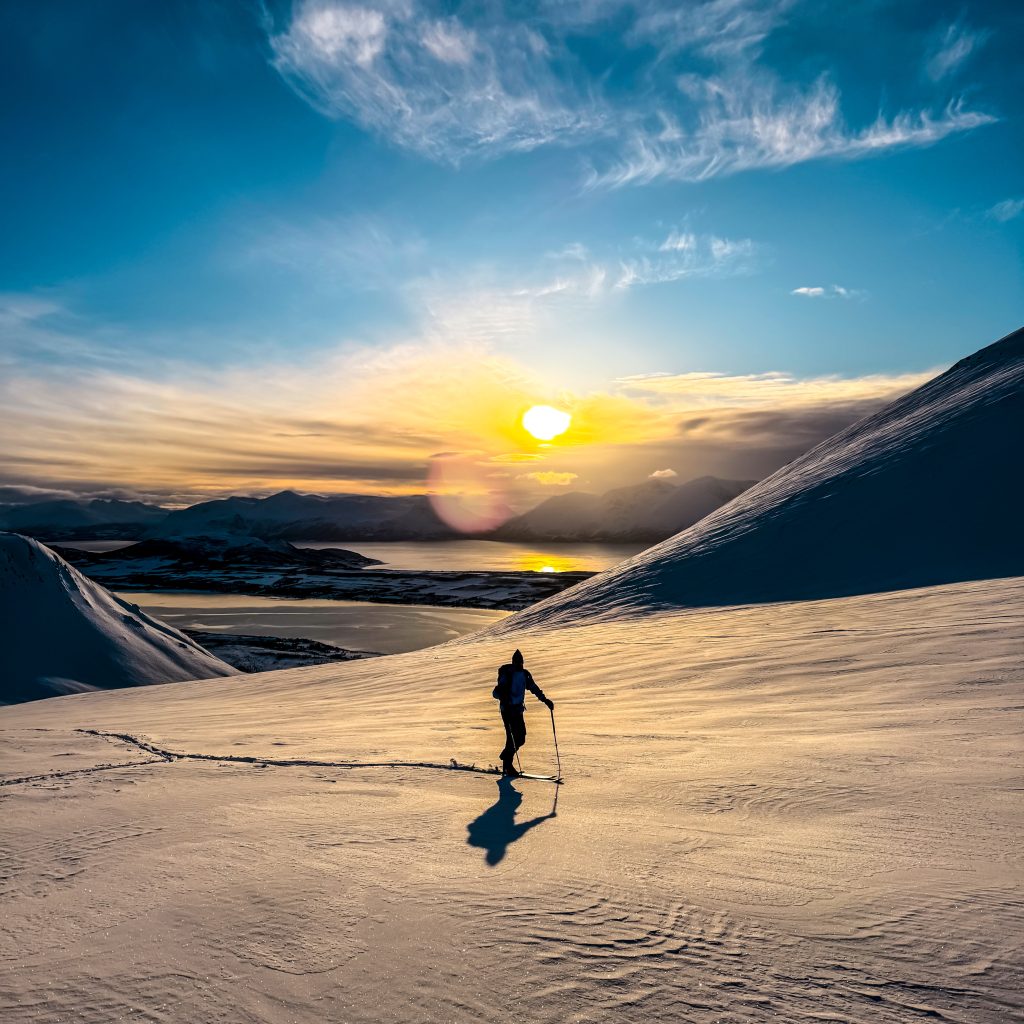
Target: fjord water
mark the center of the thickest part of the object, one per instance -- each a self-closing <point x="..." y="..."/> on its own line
<point x="354" y="625"/>
<point x="362" y="625"/>
<point x="452" y="555"/>
<point x="486" y="555"/>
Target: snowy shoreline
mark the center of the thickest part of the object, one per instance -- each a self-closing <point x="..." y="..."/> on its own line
<point x="501" y="591"/>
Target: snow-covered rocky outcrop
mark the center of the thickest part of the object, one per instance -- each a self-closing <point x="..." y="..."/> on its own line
<point x="61" y="633"/>
<point x="926" y="491"/>
<point x="227" y="542"/>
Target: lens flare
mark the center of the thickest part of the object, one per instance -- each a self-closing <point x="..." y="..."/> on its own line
<point x="464" y="495"/>
<point x="545" y="422"/>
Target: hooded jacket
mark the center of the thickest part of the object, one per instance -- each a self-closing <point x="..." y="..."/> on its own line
<point x="513" y="682"/>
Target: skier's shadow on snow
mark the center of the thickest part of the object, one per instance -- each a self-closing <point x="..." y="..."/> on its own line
<point x="496" y="829"/>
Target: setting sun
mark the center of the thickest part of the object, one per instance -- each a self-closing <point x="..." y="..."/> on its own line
<point x="545" y="422"/>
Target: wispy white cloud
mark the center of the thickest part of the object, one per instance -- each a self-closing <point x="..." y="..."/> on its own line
<point x="716" y="28"/>
<point x="744" y="123"/>
<point x="951" y="49"/>
<point x="697" y="391"/>
<point x="833" y="291"/>
<point x="684" y="254"/>
<point x="432" y="85"/>
<point x="663" y="474"/>
<point x="481" y="81"/>
<point x="570" y="251"/>
<point x="487" y="306"/>
<point x="1008" y="209"/>
<point x="679" y="241"/>
<point x="449" y="42"/>
<point x="550" y="478"/>
<point x="484" y="82"/>
<point x="680" y="255"/>
<point x="361" y="252"/>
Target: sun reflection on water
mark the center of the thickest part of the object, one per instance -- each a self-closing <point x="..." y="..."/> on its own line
<point x="545" y="561"/>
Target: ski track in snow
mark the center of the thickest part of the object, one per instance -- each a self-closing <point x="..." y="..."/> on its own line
<point x="164" y="756"/>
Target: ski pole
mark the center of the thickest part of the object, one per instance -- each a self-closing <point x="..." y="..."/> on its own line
<point x="515" y="748"/>
<point x="555" y="735"/>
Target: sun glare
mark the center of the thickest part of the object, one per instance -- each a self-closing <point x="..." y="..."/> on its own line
<point x="545" y="422"/>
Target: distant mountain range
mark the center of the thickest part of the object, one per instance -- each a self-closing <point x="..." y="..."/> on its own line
<point x="69" y="518"/>
<point x="647" y="512"/>
<point x="291" y="516"/>
<point x="644" y="513"/>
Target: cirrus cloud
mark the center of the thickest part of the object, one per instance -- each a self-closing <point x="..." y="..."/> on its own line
<point x="952" y="48"/>
<point x="833" y="291"/>
<point x="431" y="84"/>
<point x="1008" y="209"/>
<point x="551" y="478"/>
<point x="480" y="80"/>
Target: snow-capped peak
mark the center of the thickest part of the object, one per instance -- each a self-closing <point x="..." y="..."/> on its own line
<point x="62" y="633"/>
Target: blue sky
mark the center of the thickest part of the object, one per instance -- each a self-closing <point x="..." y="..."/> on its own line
<point x="205" y="198"/>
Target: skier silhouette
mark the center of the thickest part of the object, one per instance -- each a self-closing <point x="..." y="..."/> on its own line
<point x="510" y="692"/>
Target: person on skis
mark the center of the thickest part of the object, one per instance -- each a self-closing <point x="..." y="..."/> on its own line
<point x="513" y="682"/>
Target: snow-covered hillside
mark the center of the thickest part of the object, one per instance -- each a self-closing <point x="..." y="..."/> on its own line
<point x="928" y="490"/>
<point x="61" y="633"/>
<point x="792" y="812"/>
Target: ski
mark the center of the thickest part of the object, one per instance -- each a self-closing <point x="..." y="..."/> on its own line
<point x="538" y="778"/>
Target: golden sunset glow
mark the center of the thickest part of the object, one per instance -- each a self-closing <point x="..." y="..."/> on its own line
<point x="318" y="428"/>
<point x="545" y="561"/>
<point x="545" y="422"/>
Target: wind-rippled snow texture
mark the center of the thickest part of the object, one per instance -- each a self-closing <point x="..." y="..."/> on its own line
<point x="798" y="812"/>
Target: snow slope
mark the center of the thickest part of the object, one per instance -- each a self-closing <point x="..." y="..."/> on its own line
<point x="928" y="490"/>
<point x="62" y="633"/>
<point x="792" y="812"/>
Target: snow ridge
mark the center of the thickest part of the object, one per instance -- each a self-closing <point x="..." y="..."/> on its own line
<point x="61" y="633"/>
<point x="921" y="493"/>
